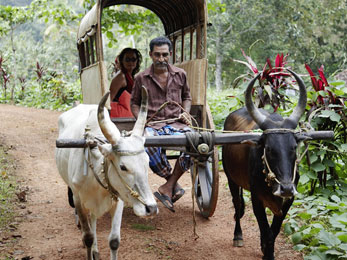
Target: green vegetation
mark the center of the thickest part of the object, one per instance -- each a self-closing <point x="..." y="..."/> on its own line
<point x="142" y="227"/>
<point x="7" y="188"/>
<point x="223" y="103"/>
<point x="317" y="224"/>
<point x="309" y="31"/>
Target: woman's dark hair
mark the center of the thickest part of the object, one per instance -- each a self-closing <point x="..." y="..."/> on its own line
<point x="159" y="41"/>
<point x="138" y="56"/>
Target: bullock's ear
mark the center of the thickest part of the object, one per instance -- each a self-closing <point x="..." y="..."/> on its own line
<point x="105" y="149"/>
<point x="250" y="142"/>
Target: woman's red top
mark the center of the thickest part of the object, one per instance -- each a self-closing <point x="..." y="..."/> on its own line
<point x="120" y="106"/>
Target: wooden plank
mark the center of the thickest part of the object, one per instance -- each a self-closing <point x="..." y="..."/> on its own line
<point x="124" y="123"/>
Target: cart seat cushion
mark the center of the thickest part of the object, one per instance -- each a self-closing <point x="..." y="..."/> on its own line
<point x="196" y="76"/>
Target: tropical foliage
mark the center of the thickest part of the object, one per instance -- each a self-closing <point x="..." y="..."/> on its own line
<point x="310" y="31"/>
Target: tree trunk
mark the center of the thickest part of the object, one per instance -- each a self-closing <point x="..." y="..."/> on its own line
<point x="219" y="59"/>
<point x="14" y="65"/>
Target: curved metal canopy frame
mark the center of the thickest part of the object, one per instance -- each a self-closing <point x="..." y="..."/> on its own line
<point x="175" y="14"/>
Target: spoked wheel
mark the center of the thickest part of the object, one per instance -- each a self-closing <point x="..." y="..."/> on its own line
<point x="206" y="185"/>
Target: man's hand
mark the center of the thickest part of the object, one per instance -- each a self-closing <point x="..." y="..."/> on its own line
<point x="185" y="118"/>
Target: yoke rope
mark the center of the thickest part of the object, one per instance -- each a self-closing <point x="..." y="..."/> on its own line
<point x="92" y="140"/>
<point x="199" y="153"/>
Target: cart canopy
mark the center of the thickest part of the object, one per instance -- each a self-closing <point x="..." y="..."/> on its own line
<point x="174" y="14"/>
<point x="88" y="25"/>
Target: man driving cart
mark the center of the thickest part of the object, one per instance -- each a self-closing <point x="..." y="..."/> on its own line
<point x="168" y="110"/>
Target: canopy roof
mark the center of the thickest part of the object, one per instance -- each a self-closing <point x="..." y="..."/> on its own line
<point x="174" y="14"/>
<point x="87" y="24"/>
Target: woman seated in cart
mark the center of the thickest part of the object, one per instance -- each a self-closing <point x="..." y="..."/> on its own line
<point x="129" y="61"/>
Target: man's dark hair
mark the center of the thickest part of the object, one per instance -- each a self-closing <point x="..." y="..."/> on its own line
<point x="138" y="57"/>
<point x="159" y="41"/>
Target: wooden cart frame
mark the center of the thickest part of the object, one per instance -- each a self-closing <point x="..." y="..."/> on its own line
<point x="184" y="23"/>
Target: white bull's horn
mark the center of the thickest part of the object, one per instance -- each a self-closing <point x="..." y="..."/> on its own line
<point x="142" y="117"/>
<point x="108" y="128"/>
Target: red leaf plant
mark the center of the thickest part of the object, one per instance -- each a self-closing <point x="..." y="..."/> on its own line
<point x="5" y="76"/>
<point x="321" y="84"/>
<point x="275" y="77"/>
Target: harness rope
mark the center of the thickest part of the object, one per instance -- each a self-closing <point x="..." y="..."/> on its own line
<point x="270" y="175"/>
<point x="200" y="154"/>
<point x="91" y="141"/>
<point x="171" y="119"/>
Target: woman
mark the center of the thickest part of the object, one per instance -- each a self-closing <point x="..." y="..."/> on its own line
<point x="121" y="86"/>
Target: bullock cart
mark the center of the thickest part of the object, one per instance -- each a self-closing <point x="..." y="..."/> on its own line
<point x="185" y="24"/>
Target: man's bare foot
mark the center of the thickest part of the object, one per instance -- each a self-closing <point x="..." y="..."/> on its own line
<point x="178" y="192"/>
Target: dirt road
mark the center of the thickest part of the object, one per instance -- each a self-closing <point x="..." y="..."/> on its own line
<point x="46" y="228"/>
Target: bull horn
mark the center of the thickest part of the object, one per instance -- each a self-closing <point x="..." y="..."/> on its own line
<point x="300" y="108"/>
<point x="258" y="117"/>
<point x="142" y="116"/>
<point x="108" y="128"/>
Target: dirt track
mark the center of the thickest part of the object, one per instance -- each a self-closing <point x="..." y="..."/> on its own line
<point x="46" y="228"/>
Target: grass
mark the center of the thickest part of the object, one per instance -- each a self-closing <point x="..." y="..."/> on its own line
<point x="142" y="227"/>
<point x="7" y="188"/>
<point x="8" y="197"/>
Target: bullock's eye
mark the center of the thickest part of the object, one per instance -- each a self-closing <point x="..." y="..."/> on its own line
<point x="293" y="148"/>
<point x="123" y="168"/>
<point x="268" y="150"/>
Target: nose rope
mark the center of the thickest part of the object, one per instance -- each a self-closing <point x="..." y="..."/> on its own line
<point x="133" y="193"/>
<point x="297" y="161"/>
<point x="271" y="176"/>
<point x="104" y="173"/>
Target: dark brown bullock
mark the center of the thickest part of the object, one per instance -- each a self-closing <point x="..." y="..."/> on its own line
<point x="266" y="168"/>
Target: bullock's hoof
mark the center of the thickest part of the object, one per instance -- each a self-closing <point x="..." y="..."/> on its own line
<point x="96" y="255"/>
<point x="77" y="220"/>
<point x="238" y="242"/>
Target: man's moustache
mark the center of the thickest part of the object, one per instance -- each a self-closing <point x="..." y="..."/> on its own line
<point x="159" y="63"/>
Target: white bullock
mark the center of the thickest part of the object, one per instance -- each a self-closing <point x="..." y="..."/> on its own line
<point x="104" y="177"/>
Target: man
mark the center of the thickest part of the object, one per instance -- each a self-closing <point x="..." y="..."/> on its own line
<point x="164" y="82"/>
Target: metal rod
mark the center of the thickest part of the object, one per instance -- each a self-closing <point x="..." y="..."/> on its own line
<point x="181" y="141"/>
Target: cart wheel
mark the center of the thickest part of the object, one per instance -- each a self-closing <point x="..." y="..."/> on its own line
<point x="206" y="185"/>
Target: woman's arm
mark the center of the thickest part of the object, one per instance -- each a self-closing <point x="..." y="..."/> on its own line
<point x="117" y="83"/>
